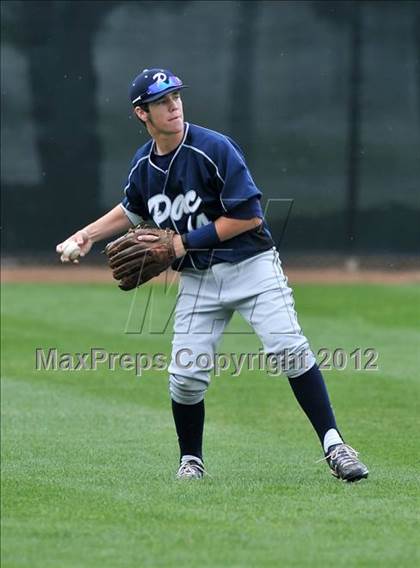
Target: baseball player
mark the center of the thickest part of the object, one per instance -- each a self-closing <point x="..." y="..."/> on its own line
<point x="195" y="184"/>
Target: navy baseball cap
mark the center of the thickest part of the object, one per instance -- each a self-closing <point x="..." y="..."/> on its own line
<point x="153" y="84"/>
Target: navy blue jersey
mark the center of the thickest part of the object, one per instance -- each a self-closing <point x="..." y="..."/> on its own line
<point x="206" y="178"/>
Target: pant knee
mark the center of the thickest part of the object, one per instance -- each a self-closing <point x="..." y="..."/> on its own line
<point x="294" y="363"/>
<point x="186" y="390"/>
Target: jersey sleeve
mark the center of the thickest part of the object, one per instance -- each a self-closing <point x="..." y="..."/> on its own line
<point x="237" y="185"/>
<point x="247" y="209"/>
<point x="133" y="204"/>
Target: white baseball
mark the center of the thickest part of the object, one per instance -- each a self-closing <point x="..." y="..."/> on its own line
<point x="71" y="250"/>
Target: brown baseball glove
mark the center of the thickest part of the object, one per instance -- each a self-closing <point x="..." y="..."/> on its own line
<point x="139" y="255"/>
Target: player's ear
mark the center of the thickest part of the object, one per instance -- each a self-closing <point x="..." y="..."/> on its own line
<point x="140" y="113"/>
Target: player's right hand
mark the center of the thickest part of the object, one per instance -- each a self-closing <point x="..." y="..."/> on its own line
<point x="81" y="238"/>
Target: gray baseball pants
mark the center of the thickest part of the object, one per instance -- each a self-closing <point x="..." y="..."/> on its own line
<point x="256" y="288"/>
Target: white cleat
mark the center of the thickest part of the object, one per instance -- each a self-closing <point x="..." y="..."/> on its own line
<point x="191" y="468"/>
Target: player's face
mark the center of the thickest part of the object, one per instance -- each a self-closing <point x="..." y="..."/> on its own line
<point x="166" y="116"/>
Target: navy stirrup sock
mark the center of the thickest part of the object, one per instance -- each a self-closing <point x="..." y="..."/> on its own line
<point x="189" y="423"/>
<point x="311" y="393"/>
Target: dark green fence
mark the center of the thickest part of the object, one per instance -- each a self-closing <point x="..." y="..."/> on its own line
<point x="324" y="97"/>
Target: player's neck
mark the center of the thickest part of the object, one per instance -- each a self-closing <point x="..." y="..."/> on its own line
<point x="165" y="143"/>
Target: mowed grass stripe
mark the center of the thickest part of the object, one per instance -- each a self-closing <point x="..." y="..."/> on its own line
<point x="106" y="481"/>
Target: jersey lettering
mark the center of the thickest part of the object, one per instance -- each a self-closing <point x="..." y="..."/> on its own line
<point x="201" y="220"/>
<point x="161" y="208"/>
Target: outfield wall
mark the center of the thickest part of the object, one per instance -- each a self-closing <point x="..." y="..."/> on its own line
<point x="324" y="98"/>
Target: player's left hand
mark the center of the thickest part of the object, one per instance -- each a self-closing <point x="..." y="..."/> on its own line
<point x="141" y="254"/>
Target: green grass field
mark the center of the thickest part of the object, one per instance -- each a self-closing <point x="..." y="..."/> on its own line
<point x="89" y="457"/>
